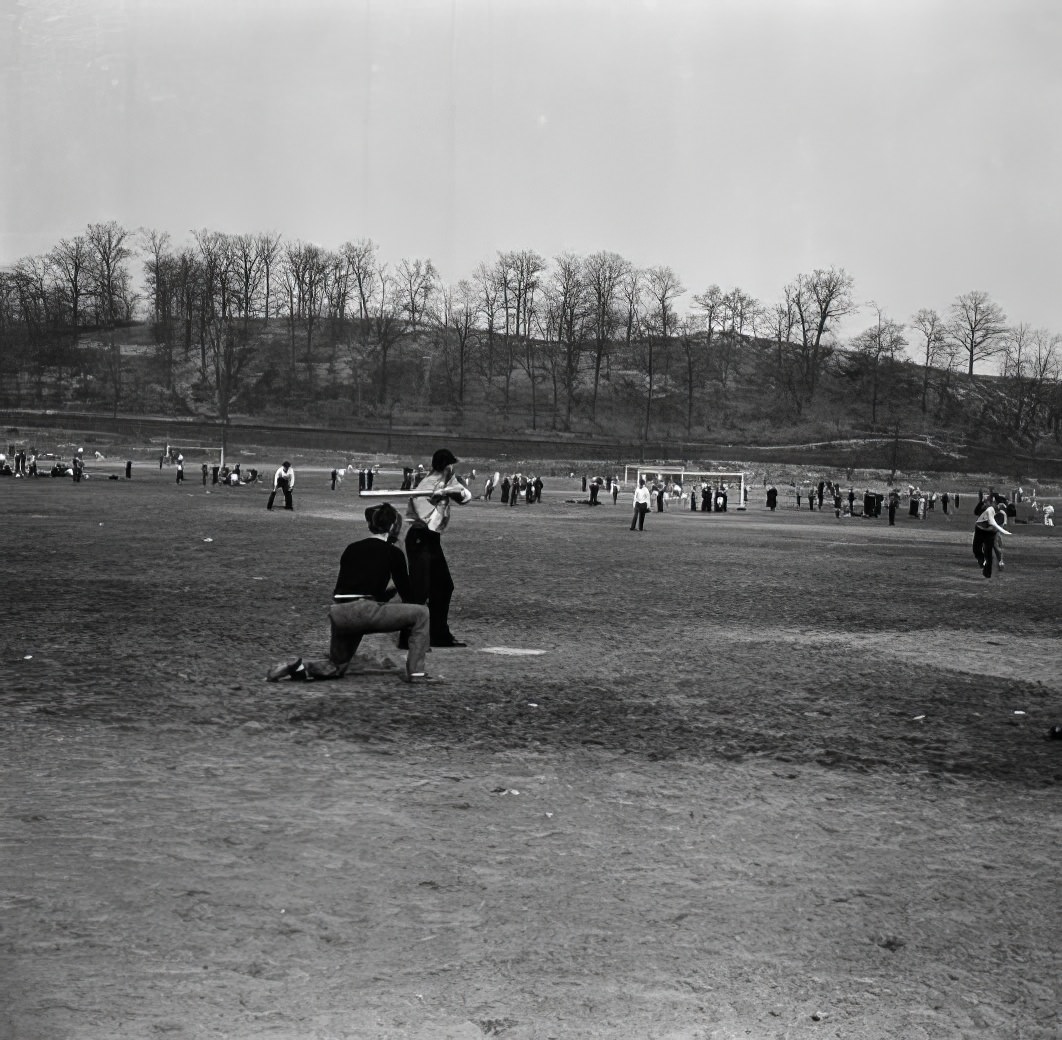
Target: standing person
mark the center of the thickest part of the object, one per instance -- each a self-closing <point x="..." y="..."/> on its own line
<point x="894" y="501"/>
<point x="660" y="498"/>
<point x="539" y="485"/>
<point x="615" y="489"/>
<point x="283" y="480"/>
<point x="180" y="469"/>
<point x="206" y="470"/>
<point x="371" y="571"/>
<point x="335" y="478"/>
<point x="989" y="528"/>
<point x="641" y="505"/>
<point x="1001" y="519"/>
<point x="983" y="500"/>
<point x="429" y="574"/>
<point x="505" y="490"/>
<point x="78" y="467"/>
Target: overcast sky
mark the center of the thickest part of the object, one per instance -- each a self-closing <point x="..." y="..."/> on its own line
<point x="916" y="143"/>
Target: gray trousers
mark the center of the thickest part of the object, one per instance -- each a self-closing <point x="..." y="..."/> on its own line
<point x="350" y="621"/>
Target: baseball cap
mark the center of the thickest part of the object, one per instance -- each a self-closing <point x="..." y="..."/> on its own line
<point x="442" y="458"/>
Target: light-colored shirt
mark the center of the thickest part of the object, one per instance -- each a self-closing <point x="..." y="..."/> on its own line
<point x="436" y="515"/>
<point x="988" y="519"/>
<point x="284" y="474"/>
<point x="641" y="495"/>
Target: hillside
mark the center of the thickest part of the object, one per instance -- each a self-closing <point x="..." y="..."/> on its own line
<point x="891" y="415"/>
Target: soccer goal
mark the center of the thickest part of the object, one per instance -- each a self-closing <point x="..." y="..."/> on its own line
<point x="689" y="478"/>
<point x="212" y="454"/>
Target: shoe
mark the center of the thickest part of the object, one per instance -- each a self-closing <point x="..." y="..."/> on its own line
<point x="422" y="679"/>
<point x="450" y="642"/>
<point x="286" y="670"/>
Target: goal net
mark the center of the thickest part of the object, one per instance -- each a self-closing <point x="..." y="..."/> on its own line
<point x="691" y="480"/>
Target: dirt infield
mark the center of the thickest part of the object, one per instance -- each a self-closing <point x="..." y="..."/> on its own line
<point x="774" y="776"/>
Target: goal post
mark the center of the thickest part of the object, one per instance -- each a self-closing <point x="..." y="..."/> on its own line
<point x="213" y="454"/>
<point x="688" y="477"/>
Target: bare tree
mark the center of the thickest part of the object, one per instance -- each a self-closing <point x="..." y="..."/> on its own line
<point x="385" y="326"/>
<point x="459" y="314"/>
<point x="304" y="271"/>
<point x="490" y="295"/>
<point x="930" y="327"/>
<point x="875" y="349"/>
<point x="248" y="274"/>
<point x="364" y="266"/>
<point x="110" y="272"/>
<point x="739" y="318"/>
<point x="72" y="259"/>
<point x="213" y="259"/>
<point x="697" y="348"/>
<point x="1032" y="365"/>
<point x="159" y="270"/>
<point x="267" y="246"/>
<point x="420" y="283"/>
<point x="803" y="326"/>
<point x="978" y="326"/>
<point x="114" y="298"/>
<point x="522" y="274"/>
<point x="517" y="275"/>
<point x="604" y="275"/>
<point x="662" y="288"/>
<point x="567" y="309"/>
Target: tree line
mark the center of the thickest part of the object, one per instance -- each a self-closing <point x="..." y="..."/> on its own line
<point x="242" y="310"/>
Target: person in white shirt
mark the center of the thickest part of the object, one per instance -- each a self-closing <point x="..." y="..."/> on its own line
<point x="641" y="505"/>
<point x="429" y="573"/>
<point x="283" y="480"/>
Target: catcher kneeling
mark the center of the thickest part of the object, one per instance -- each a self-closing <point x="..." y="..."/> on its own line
<point x="362" y="605"/>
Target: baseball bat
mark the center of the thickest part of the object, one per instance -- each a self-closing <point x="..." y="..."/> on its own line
<point x="379" y="493"/>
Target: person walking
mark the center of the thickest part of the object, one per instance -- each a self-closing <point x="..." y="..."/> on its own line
<point x="429" y="574"/>
<point x="641" y="505"/>
<point x="284" y="481"/>
<point x="371" y="571"/>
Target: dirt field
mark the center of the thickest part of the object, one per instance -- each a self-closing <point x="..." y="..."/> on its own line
<point x="774" y="776"/>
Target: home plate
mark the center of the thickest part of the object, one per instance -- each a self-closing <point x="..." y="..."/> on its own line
<point x="511" y="651"/>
